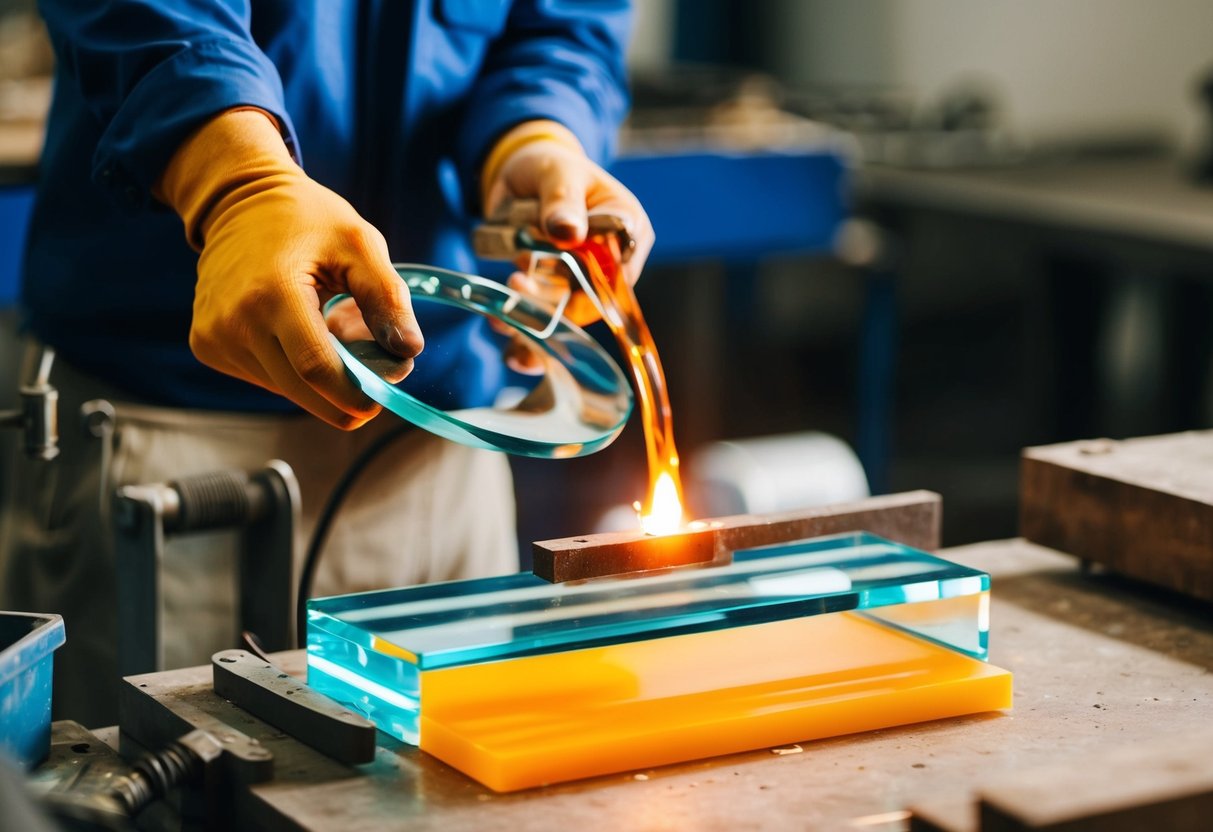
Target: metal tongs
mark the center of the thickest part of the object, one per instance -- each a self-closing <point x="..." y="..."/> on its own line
<point x="513" y="231"/>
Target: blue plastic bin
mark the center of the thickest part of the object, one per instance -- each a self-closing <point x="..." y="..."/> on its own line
<point x="27" y="644"/>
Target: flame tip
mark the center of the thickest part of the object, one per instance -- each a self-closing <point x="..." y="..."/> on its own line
<point x="665" y="508"/>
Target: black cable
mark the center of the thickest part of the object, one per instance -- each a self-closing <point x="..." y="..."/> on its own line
<point x="325" y="520"/>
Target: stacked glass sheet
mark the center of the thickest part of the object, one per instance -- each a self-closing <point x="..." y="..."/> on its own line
<point x="519" y="682"/>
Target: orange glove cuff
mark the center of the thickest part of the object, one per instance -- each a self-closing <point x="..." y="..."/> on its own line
<point x="523" y="134"/>
<point x="236" y="148"/>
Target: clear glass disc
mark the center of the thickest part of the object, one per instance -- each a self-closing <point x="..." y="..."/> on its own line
<point x="539" y="385"/>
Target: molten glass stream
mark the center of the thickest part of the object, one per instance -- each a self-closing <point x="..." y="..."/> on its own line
<point x="661" y="512"/>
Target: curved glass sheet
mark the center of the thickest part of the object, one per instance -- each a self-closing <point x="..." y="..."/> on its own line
<point x="571" y="399"/>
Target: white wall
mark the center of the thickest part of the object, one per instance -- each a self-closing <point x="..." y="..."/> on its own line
<point x="652" y="34"/>
<point x="1062" y="66"/>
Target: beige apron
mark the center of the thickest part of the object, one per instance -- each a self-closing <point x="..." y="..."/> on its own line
<point x="424" y="510"/>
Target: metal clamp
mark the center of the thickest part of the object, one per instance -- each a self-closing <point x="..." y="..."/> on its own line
<point x="513" y="230"/>
<point x="265" y="504"/>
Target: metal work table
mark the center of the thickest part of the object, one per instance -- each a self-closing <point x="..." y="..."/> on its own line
<point x="1099" y="663"/>
<point x="1147" y="200"/>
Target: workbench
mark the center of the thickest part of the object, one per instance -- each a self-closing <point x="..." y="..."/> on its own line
<point x="1137" y="203"/>
<point x="1100" y="663"/>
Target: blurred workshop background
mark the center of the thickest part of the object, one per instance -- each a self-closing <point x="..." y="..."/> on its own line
<point x="937" y="231"/>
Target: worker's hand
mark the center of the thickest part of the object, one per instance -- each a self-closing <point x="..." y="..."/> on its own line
<point x="275" y="246"/>
<point x="543" y="160"/>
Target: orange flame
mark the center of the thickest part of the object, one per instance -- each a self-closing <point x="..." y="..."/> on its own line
<point x="665" y="508"/>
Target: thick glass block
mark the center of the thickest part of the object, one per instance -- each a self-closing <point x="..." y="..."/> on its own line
<point x="519" y="682"/>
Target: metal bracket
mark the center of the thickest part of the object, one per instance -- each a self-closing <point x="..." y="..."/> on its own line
<point x="38" y="416"/>
<point x="288" y="704"/>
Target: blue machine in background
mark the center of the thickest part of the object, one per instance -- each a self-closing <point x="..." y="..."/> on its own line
<point x="15" y="204"/>
<point x="739" y="207"/>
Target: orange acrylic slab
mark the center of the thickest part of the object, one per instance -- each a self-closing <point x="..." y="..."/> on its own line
<point x="544" y="719"/>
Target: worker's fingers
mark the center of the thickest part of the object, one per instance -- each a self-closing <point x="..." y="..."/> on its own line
<point x="561" y="188"/>
<point x="313" y="375"/>
<point x="270" y="258"/>
<point x="555" y="175"/>
<point x="344" y="320"/>
<point x="517" y="282"/>
<point x="520" y="356"/>
<point x="278" y="369"/>
<point x="284" y="375"/>
<point x="382" y="295"/>
<point x="497" y="193"/>
<point x="269" y="368"/>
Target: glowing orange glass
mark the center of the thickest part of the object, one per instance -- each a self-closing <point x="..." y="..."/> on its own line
<point x="661" y="511"/>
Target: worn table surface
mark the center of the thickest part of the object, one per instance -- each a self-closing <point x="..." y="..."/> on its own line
<point x="1142" y="507"/>
<point x="1177" y="464"/>
<point x="1099" y="663"/>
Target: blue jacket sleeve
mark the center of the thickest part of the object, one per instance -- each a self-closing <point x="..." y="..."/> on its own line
<point x="151" y="71"/>
<point x="561" y="60"/>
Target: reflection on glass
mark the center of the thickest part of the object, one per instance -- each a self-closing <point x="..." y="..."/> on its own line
<point x="578" y="403"/>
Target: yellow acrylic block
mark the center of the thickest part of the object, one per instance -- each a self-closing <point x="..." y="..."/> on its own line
<point x="546" y="719"/>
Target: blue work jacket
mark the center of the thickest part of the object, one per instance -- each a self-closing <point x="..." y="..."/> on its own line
<point x="391" y="103"/>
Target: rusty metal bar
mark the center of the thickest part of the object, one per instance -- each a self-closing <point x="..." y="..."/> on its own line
<point x="912" y="518"/>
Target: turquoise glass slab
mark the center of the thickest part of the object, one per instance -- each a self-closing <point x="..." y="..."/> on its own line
<point x="370" y="650"/>
<point x="572" y="401"/>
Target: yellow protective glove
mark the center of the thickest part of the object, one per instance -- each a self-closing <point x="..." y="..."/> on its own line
<point x="274" y="246"/>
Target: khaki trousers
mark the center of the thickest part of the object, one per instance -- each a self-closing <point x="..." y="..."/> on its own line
<point x="424" y="510"/>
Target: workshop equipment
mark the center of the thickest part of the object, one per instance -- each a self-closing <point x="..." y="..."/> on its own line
<point x="263" y="504"/>
<point x="1141" y="507"/>
<point x="1099" y="667"/>
<point x="27" y="645"/>
<point x="86" y="785"/>
<point x="128" y="790"/>
<point x="196" y="746"/>
<point x="38" y="416"/>
<point x="519" y="682"/>
<point x="769" y="474"/>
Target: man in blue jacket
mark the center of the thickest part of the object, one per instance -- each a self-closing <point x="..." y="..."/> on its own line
<point x="212" y="172"/>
